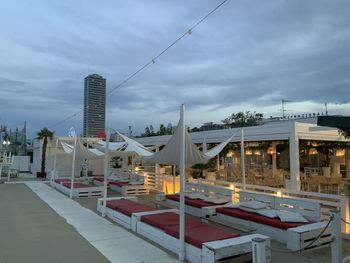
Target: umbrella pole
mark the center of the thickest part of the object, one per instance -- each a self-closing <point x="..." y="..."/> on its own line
<point x="174" y="178"/>
<point x="242" y="159"/>
<point x="105" y="175"/>
<point x="53" y="175"/>
<point x="73" y="167"/>
<point x="182" y="184"/>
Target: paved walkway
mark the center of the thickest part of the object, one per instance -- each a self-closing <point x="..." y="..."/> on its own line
<point x="31" y="232"/>
<point x="114" y="242"/>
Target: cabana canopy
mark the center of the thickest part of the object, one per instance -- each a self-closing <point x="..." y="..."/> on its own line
<point x="170" y="152"/>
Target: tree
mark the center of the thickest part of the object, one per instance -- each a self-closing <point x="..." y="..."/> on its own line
<point x="243" y="119"/>
<point x="44" y="134"/>
<point x="149" y="131"/>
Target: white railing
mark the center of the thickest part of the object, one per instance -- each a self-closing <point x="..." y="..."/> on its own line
<point x="153" y="181"/>
<point x="328" y="201"/>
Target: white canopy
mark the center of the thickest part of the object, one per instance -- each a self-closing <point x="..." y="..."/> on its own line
<point x="170" y="152"/>
<point x="82" y="151"/>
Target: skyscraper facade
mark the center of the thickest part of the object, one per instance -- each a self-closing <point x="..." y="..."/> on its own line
<point x="94" y="105"/>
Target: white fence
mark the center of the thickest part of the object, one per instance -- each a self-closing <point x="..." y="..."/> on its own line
<point x="328" y="201"/>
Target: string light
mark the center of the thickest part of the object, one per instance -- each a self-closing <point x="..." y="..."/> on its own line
<point x="152" y="61"/>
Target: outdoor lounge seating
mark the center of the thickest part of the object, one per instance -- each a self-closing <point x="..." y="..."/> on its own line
<point x="80" y="189"/>
<point x="296" y="235"/>
<point x="203" y="243"/>
<point x="129" y="188"/>
<point x="197" y="197"/>
<point x="120" y="209"/>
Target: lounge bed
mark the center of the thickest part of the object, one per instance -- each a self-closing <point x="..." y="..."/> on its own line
<point x="129" y="188"/>
<point x="203" y="243"/>
<point x="80" y="189"/>
<point x="296" y="235"/>
<point x="197" y="197"/>
<point x="120" y="209"/>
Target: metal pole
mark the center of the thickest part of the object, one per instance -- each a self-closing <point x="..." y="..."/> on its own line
<point x="105" y="175"/>
<point x="174" y="178"/>
<point x="242" y="159"/>
<point x="182" y="184"/>
<point x="73" y="168"/>
<point x="259" y="250"/>
<point x="336" y="244"/>
<point x="53" y="176"/>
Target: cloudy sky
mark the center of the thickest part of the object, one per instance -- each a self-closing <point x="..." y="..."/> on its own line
<point x="249" y="55"/>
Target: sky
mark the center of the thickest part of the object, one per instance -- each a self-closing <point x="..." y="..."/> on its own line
<point x="248" y="55"/>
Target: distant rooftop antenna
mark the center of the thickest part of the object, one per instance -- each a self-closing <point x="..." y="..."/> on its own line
<point x="283" y="109"/>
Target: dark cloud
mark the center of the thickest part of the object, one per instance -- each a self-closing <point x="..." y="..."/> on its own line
<point x="248" y="54"/>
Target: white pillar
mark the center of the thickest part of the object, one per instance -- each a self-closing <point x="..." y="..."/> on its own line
<point x="174" y="178"/>
<point x="336" y="244"/>
<point x="294" y="158"/>
<point x="242" y="159"/>
<point x="106" y="170"/>
<point x="335" y="164"/>
<point x="259" y="250"/>
<point x="204" y="146"/>
<point x="53" y="174"/>
<point x="73" y="168"/>
<point x="274" y="164"/>
<point x="218" y="162"/>
<point x="156" y="166"/>
<point x="182" y="185"/>
<point x="347" y="161"/>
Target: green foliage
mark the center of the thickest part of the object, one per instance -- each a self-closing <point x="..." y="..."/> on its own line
<point x="243" y="119"/>
<point x="149" y="131"/>
<point x="44" y="133"/>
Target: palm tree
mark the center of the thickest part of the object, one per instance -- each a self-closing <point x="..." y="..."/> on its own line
<point x="44" y="134"/>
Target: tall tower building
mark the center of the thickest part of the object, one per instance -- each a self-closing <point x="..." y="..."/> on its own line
<point x="94" y="105"/>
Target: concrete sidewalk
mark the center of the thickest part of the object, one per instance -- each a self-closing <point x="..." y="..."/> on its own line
<point x="31" y="232"/>
<point x="114" y="242"/>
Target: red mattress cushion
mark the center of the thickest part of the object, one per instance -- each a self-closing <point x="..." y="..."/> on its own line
<point x="75" y="185"/>
<point x="115" y="204"/>
<point x="193" y="202"/>
<point x="163" y="220"/>
<point x="136" y="208"/>
<point x="100" y="179"/>
<point x="119" y="183"/>
<point x="62" y="180"/>
<point x="274" y="222"/>
<point x="128" y="207"/>
<point x="198" y="234"/>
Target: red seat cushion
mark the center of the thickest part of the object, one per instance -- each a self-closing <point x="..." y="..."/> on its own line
<point x="115" y="204"/>
<point x="198" y="234"/>
<point x="193" y="202"/>
<point x="166" y="219"/>
<point x="274" y="222"/>
<point x="129" y="210"/>
<point x="119" y="183"/>
<point x="75" y="185"/>
<point x="128" y="207"/>
<point x="62" y="180"/>
<point x="100" y="179"/>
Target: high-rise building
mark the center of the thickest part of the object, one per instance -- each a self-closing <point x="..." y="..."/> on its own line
<point x="94" y="105"/>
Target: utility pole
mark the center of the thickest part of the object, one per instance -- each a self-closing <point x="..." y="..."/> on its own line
<point x="326" y="106"/>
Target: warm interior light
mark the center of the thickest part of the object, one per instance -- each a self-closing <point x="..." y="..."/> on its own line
<point x="137" y="168"/>
<point x="232" y="187"/>
<point x="313" y="151"/>
<point x="248" y="152"/>
<point x="271" y="150"/>
<point x="230" y="154"/>
<point x="257" y="152"/>
<point x="340" y="152"/>
<point x="279" y="193"/>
